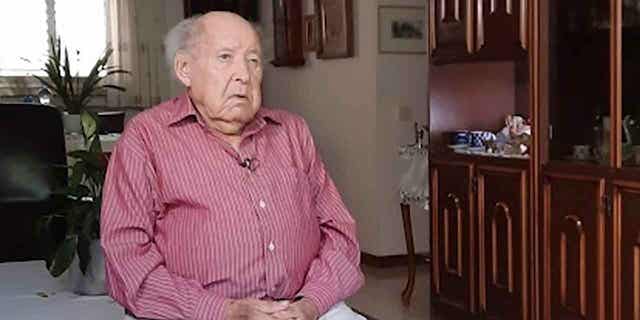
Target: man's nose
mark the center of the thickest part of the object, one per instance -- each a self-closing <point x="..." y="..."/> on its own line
<point x="241" y="71"/>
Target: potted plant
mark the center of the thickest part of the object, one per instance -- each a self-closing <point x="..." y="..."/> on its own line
<point x="72" y="228"/>
<point x="75" y="92"/>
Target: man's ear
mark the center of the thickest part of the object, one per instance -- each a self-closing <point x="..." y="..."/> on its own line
<point x="182" y="68"/>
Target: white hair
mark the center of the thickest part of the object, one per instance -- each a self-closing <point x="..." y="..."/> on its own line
<point x="185" y="35"/>
<point x="179" y="38"/>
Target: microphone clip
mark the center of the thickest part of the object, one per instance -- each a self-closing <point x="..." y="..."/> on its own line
<point x="248" y="163"/>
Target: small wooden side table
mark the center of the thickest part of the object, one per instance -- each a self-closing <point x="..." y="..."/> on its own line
<point x="411" y="254"/>
<point x="414" y="189"/>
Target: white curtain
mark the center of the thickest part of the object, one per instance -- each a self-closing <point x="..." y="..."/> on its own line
<point x="136" y="30"/>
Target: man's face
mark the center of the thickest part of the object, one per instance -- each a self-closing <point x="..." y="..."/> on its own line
<point x="225" y="73"/>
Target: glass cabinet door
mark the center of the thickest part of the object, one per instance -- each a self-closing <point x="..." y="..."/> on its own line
<point x="630" y="83"/>
<point x="579" y="78"/>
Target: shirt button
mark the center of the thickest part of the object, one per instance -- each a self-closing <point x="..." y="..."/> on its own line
<point x="262" y="204"/>
<point x="271" y="246"/>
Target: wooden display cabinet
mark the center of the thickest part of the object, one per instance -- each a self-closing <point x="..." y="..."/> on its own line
<point x="477" y="30"/>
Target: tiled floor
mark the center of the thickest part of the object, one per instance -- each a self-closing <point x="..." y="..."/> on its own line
<point x="380" y="297"/>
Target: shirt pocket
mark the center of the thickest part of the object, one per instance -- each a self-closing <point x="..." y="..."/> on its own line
<point x="291" y="189"/>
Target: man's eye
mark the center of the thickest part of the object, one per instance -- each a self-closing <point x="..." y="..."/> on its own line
<point x="254" y="60"/>
<point x="224" y="57"/>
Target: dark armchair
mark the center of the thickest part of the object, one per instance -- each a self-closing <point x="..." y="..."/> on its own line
<point x="32" y="167"/>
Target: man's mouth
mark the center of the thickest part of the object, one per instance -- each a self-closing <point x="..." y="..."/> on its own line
<point x="240" y="96"/>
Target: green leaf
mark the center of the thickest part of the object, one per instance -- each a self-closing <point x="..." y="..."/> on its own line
<point x="115" y="70"/>
<point x="46" y="83"/>
<point x="64" y="256"/>
<point x="79" y="213"/>
<point x="68" y="78"/>
<point x="93" y="159"/>
<point x="75" y="92"/>
<point x="79" y="154"/>
<point x="78" y="171"/>
<point x="49" y="235"/>
<point x="89" y="124"/>
<point x="111" y="86"/>
<point x="84" y="254"/>
<point x="90" y="225"/>
<point x="96" y="148"/>
<point x="80" y="191"/>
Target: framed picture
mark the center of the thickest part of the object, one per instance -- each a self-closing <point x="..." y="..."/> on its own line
<point x="248" y="9"/>
<point x="287" y="33"/>
<point x="335" y="20"/>
<point x="402" y="29"/>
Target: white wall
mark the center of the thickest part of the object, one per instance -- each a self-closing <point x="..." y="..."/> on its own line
<point x="174" y="13"/>
<point x="351" y="107"/>
<point x="401" y="83"/>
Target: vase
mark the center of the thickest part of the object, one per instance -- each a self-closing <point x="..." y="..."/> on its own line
<point x="71" y="123"/>
<point x="93" y="281"/>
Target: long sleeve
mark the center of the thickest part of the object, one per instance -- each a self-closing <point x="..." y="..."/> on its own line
<point x="137" y="276"/>
<point x="335" y="273"/>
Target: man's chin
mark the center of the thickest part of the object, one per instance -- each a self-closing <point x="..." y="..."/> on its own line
<point x="230" y="129"/>
<point x="234" y="121"/>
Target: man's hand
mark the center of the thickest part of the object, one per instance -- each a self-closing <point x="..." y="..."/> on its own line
<point x="254" y="309"/>
<point x="301" y="310"/>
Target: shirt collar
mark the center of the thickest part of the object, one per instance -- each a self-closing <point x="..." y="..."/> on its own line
<point x="184" y="109"/>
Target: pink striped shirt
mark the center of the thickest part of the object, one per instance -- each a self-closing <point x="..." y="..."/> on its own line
<point x="185" y="227"/>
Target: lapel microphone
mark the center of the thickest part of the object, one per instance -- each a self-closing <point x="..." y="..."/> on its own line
<point x="249" y="164"/>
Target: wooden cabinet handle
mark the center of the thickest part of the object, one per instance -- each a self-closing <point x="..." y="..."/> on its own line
<point x="576" y="223"/>
<point x="450" y="14"/>
<point x="457" y="270"/>
<point x="469" y="24"/>
<point x="432" y="26"/>
<point x="503" y="208"/>
<point x="523" y="24"/>
<point x="480" y="23"/>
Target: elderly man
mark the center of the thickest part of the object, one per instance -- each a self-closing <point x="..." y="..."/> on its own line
<point x="217" y="208"/>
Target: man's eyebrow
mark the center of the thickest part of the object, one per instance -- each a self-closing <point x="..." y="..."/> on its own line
<point x="227" y="48"/>
<point x="236" y="47"/>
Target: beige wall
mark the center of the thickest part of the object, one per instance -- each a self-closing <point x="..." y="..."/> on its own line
<point x="351" y="106"/>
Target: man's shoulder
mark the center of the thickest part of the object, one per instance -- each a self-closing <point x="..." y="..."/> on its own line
<point x="149" y="124"/>
<point x="283" y="117"/>
<point x="154" y="117"/>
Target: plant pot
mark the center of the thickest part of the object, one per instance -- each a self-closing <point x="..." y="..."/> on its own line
<point x="93" y="281"/>
<point x="71" y="123"/>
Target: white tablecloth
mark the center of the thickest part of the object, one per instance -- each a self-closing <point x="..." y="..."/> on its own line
<point x="23" y="285"/>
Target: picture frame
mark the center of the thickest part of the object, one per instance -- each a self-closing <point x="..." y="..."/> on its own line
<point x="287" y="33"/>
<point x="248" y="9"/>
<point x="309" y="33"/>
<point x="402" y="29"/>
<point x="335" y="29"/>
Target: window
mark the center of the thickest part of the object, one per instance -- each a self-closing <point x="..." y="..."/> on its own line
<point x="25" y="27"/>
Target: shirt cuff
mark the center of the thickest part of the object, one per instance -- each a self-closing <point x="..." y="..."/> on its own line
<point x="210" y="307"/>
<point x="320" y="296"/>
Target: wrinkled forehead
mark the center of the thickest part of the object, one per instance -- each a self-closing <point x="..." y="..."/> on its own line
<point x="223" y="32"/>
